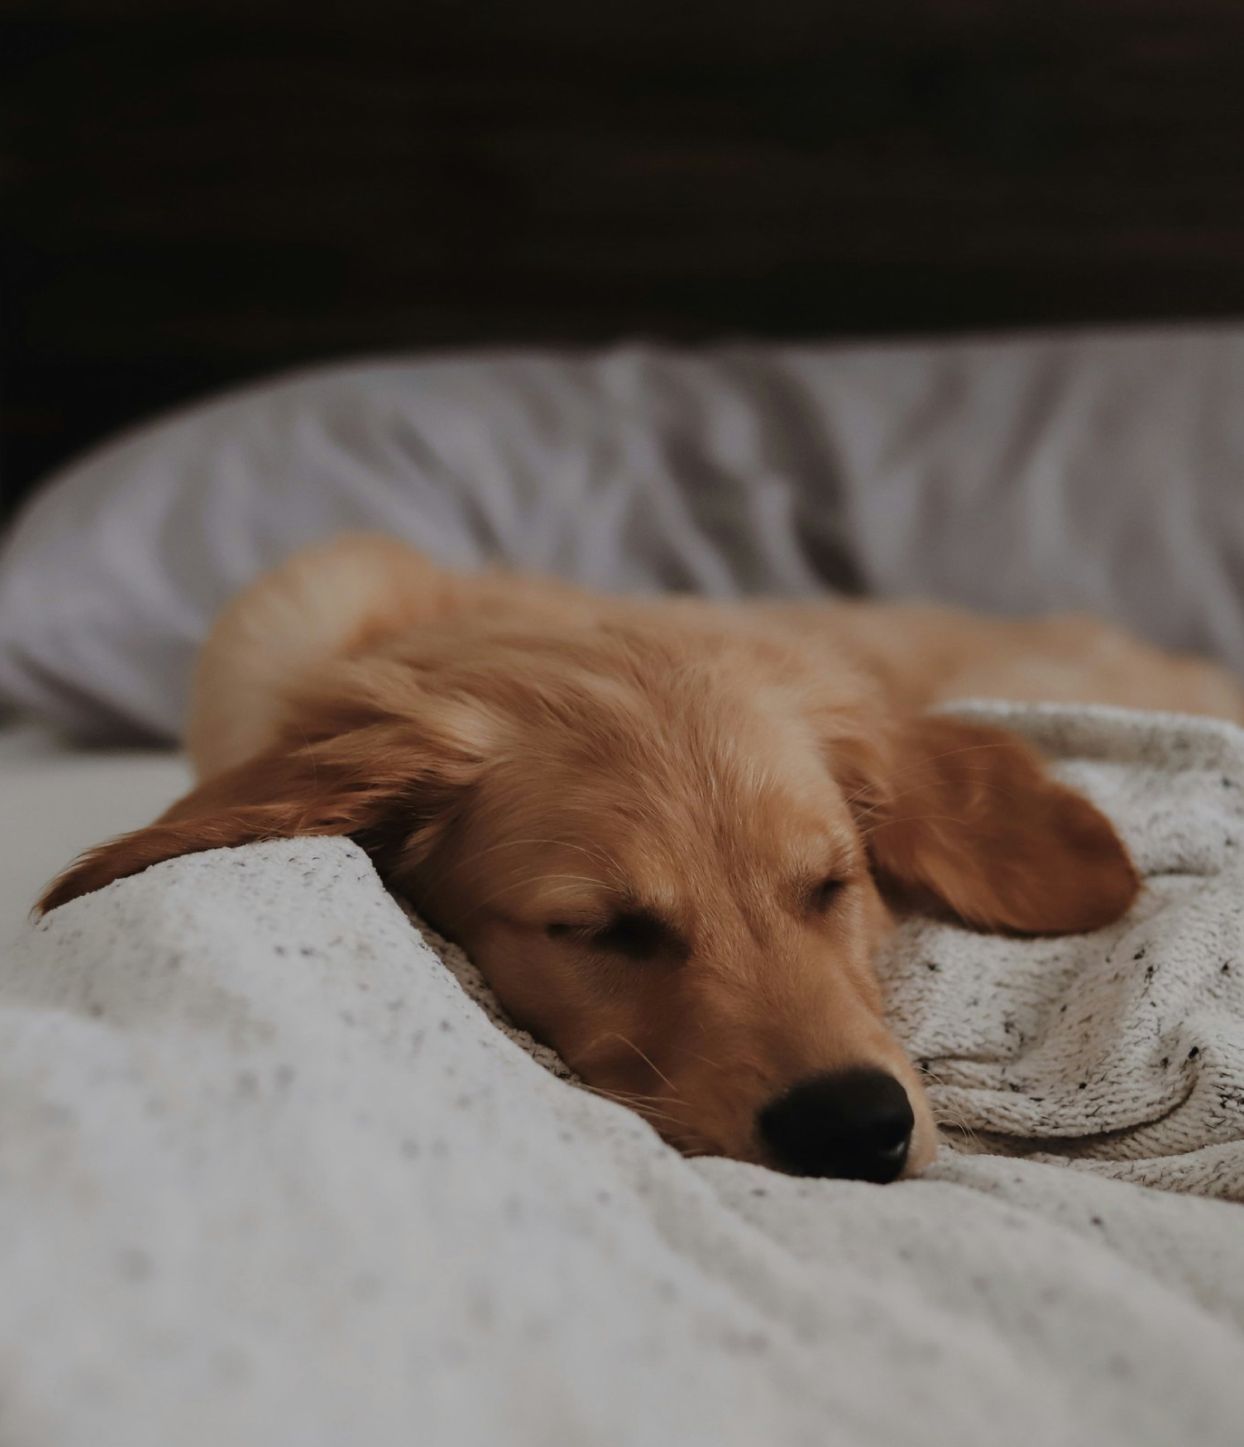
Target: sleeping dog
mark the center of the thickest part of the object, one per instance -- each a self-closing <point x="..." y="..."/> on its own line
<point x="671" y="833"/>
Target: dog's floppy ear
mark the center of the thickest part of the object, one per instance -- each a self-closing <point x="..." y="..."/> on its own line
<point x="968" y="814"/>
<point x="385" y="784"/>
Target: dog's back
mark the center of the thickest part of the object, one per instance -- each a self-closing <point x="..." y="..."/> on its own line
<point x="355" y="591"/>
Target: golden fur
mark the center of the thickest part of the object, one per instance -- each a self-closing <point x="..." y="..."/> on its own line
<point x="666" y="830"/>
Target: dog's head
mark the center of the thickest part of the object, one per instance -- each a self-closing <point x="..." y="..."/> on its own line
<point x="668" y="852"/>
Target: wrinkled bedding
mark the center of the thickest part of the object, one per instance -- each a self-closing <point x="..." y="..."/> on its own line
<point x="271" y="1175"/>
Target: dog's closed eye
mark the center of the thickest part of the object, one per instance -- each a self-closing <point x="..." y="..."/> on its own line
<point x="633" y="935"/>
<point x="825" y="894"/>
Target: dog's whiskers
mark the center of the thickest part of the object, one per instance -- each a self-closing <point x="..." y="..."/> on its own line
<point x="626" y="1096"/>
<point x="715" y="1065"/>
<point x="639" y="1105"/>
<point x="947" y="1117"/>
<point x="656" y="1069"/>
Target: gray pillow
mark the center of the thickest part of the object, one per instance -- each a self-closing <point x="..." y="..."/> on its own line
<point x="1103" y="472"/>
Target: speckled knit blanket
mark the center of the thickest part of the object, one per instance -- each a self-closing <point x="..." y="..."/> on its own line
<point x="269" y="1175"/>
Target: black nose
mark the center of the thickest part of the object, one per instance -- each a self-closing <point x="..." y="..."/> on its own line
<point x="856" y="1124"/>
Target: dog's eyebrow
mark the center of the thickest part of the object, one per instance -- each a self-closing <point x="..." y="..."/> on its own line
<point x="838" y="860"/>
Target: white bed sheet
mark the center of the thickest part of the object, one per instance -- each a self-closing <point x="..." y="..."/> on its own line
<point x="57" y="799"/>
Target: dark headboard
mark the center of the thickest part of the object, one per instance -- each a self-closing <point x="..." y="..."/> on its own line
<point x="195" y="193"/>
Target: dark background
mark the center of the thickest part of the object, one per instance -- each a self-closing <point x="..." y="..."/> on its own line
<point x="193" y="194"/>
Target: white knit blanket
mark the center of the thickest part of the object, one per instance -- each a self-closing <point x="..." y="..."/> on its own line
<point x="269" y="1176"/>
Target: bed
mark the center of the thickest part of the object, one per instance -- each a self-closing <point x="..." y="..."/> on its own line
<point x="277" y="1169"/>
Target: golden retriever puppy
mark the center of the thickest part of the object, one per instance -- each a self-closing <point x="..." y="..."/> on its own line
<point x="666" y="830"/>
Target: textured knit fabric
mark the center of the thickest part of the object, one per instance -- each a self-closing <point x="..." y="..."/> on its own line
<point x="269" y="1175"/>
